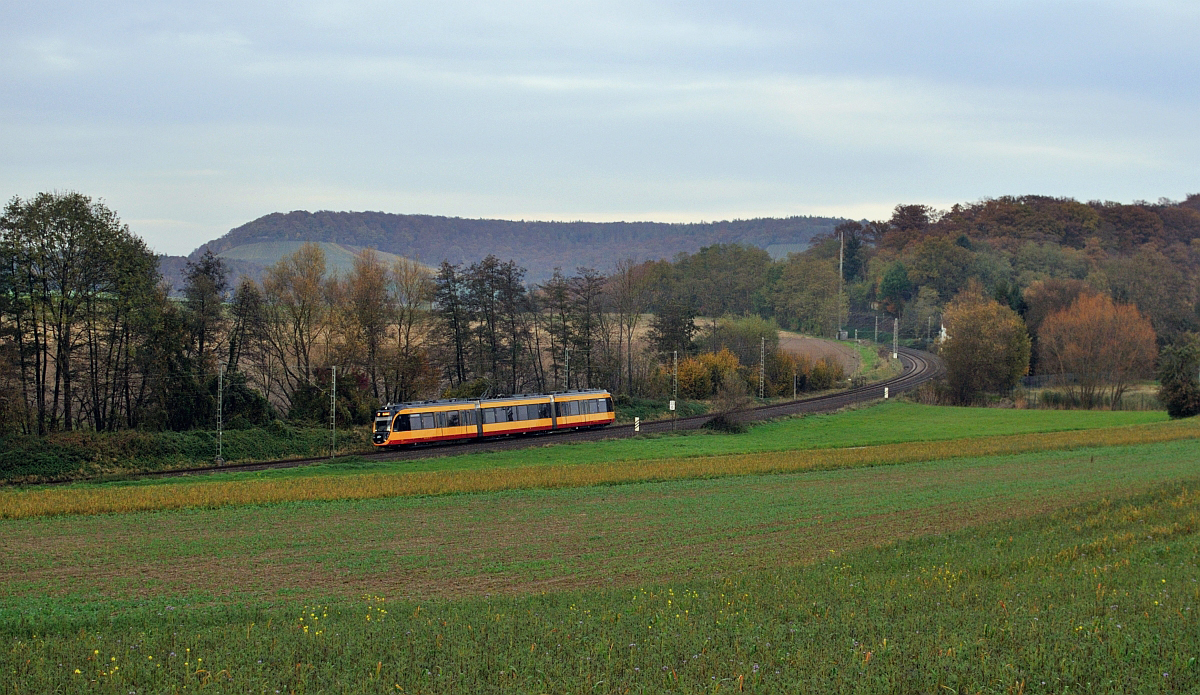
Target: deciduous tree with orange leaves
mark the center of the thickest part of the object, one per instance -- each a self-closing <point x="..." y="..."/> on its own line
<point x="1104" y="344"/>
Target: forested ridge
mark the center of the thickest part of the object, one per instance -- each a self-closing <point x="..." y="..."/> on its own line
<point x="539" y="247"/>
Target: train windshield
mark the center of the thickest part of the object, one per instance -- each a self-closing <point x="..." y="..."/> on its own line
<point x="381" y="424"/>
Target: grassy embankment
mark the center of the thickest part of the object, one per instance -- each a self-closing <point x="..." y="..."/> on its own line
<point x="872" y="367"/>
<point x="80" y="455"/>
<point x="882" y="435"/>
<point x="85" y="454"/>
<point x="765" y="583"/>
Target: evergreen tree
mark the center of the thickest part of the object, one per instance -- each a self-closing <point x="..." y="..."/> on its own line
<point x="1179" y="377"/>
<point x="673" y="328"/>
<point x="206" y="284"/>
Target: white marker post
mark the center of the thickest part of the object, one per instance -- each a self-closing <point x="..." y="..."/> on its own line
<point x="637" y="424"/>
<point x="885" y="392"/>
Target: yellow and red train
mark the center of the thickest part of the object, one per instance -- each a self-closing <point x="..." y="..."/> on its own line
<point x="404" y="424"/>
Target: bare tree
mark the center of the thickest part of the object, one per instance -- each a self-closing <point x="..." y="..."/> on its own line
<point x="296" y="311"/>
<point x="411" y="289"/>
<point x="630" y="289"/>
<point x="366" y="295"/>
<point x="588" y="317"/>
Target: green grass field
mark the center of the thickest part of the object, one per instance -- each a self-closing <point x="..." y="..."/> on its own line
<point x="884" y="423"/>
<point x="1055" y="571"/>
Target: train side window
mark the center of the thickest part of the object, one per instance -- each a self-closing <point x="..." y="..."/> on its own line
<point x="575" y="407"/>
<point x="543" y="411"/>
<point x="414" y="420"/>
<point x="440" y="417"/>
<point x="591" y="406"/>
<point x="489" y="416"/>
<point x="400" y="424"/>
<point x="608" y="407"/>
<point x="520" y="412"/>
<point x="468" y="417"/>
<point x="452" y="418"/>
<point x="558" y="409"/>
<point x="427" y="421"/>
<point x="507" y="413"/>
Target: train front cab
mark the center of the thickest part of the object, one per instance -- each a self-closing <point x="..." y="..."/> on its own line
<point x="423" y="423"/>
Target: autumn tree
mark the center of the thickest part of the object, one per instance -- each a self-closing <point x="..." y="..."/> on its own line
<point x="1043" y="298"/>
<point x="77" y="282"/>
<point x="723" y="278"/>
<point x="806" y="296"/>
<point x="370" y="311"/>
<point x="1104" y="344"/>
<point x="942" y="265"/>
<point x="408" y="369"/>
<point x="1158" y="287"/>
<point x="1179" y="377"/>
<point x="630" y="293"/>
<point x="909" y="223"/>
<point x="987" y="346"/>
<point x="296" y="307"/>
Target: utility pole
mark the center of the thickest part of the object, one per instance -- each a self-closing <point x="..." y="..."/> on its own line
<point x="675" y="377"/>
<point x="333" y="414"/>
<point x="841" y="276"/>
<point x="568" y="369"/>
<point x="895" y="338"/>
<point x="795" y="378"/>
<point x="877" y="328"/>
<point x="762" y="368"/>
<point x="675" y="389"/>
<point x="220" y="412"/>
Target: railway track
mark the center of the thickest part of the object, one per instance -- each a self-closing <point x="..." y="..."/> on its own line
<point x="918" y="367"/>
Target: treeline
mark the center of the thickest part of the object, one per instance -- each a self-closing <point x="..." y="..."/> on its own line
<point x="91" y="339"/>
<point x="1091" y="290"/>
<point x="539" y="247"/>
<point x="1025" y="251"/>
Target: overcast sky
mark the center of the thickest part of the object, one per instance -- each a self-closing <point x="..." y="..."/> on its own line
<point x="192" y="118"/>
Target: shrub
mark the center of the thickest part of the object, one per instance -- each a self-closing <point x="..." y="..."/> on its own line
<point x="1178" y="375"/>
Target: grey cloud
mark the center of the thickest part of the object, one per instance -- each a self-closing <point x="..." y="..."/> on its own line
<point x="193" y="118"/>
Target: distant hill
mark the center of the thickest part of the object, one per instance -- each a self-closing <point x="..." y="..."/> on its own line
<point x="339" y="258"/>
<point x="538" y="246"/>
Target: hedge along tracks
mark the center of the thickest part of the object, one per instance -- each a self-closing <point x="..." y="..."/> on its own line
<point x="919" y="367"/>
